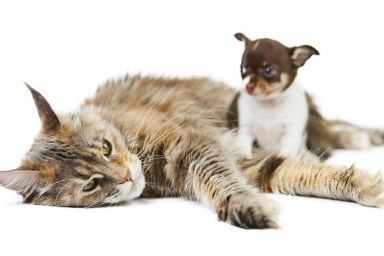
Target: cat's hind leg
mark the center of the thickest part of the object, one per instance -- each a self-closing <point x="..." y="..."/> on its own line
<point x="350" y="136"/>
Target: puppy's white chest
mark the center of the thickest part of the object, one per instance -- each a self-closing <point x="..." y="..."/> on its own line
<point x="269" y="124"/>
<point x="277" y="124"/>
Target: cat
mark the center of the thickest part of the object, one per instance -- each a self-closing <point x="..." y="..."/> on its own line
<point x="158" y="137"/>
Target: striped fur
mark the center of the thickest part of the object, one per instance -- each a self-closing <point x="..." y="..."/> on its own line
<point x="277" y="175"/>
<point x="174" y="132"/>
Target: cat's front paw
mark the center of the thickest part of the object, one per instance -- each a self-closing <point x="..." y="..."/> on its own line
<point x="254" y="213"/>
<point x="371" y="189"/>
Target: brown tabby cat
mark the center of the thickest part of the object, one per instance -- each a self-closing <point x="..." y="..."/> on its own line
<point x="172" y="132"/>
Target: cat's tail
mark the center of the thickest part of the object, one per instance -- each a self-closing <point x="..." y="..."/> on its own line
<point x="281" y="175"/>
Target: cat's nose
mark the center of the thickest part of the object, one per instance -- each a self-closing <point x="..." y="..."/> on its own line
<point x="128" y="176"/>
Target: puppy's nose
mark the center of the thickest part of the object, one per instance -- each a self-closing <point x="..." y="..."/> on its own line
<point x="250" y="86"/>
<point x="128" y="176"/>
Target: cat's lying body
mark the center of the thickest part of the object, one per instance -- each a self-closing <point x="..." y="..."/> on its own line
<point x="175" y="133"/>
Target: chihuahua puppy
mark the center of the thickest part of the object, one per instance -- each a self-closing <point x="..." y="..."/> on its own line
<point x="272" y="107"/>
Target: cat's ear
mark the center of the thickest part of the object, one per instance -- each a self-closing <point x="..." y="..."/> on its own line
<point x="300" y="54"/>
<point x="20" y="181"/>
<point x="243" y="38"/>
<point x="49" y="120"/>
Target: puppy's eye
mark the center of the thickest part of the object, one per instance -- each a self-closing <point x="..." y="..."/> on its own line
<point x="106" y="148"/>
<point x="243" y="69"/>
<point x="91" y="185"/>
<point x="269" y="72"/>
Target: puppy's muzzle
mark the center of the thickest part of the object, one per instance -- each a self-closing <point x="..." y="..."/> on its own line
<point x="250" y="87"/>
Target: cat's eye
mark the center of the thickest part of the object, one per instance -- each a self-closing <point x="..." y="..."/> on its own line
<point x="106" y="148"/>
<point x="91" y="185"/>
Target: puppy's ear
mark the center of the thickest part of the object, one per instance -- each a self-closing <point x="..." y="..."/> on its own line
<point x="242" y="37"/>
<point x="300" y="54"/>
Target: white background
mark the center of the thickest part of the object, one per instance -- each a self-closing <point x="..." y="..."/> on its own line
<point x="65" y="50"/>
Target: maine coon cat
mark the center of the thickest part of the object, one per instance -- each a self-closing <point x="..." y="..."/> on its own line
<point x="174" y="133"/>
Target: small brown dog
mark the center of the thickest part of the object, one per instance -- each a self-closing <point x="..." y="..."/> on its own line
<point x="272" y="107"/>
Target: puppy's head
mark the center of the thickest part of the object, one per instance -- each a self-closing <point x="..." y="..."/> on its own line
<point x="268" y="67"/>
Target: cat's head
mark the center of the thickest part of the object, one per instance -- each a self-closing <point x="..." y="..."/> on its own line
<point x="76" y="160"/>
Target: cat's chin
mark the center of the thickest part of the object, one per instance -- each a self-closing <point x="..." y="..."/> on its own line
<point x="133" y="188"/>
<point x="136" y="188"/>
<point x="128" y="191"/>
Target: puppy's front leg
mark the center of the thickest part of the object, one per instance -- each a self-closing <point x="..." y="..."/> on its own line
<point x="293" y="146"/>
<point x="290" y="144"/>
<point x="244" y="140"/>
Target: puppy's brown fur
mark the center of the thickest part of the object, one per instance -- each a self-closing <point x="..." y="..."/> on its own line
<point x="323" y="136"/>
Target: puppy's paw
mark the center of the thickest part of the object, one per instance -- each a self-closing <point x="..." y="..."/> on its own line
<point x="254" y="213"/>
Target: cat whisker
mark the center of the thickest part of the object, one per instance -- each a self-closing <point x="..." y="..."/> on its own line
<point x="158" y="130"/>
<point x="150" y="144"/>
<point x="61" y="190"/>
<point x="151" y="158"/>
<point x="160" y="96"/>
<point x="325" y="152"/>
<point x="144" y="118"/>
<point x="113" y="204"/>
<point x="44" y="190"/>
<point x="151" y="108"/>
<point x="94" y="205"/>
